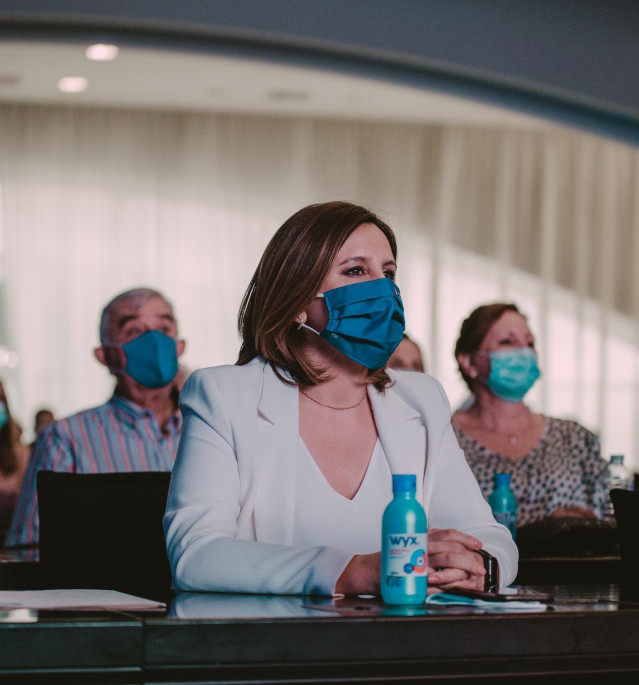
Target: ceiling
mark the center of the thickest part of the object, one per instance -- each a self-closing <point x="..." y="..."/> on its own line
<point x="142" y="78"/>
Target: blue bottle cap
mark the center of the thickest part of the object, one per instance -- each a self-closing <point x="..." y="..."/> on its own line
<point x="502" y="479"/>
<point x="404" y="482"/>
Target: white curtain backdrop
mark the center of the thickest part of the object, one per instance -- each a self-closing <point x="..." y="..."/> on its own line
<point x="94" y="202"/>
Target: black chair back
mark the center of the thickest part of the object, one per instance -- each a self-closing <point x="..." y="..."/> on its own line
<point x="626" y="506"/>
<point x="104" y="531"/>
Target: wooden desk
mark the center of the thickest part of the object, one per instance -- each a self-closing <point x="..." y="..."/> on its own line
<point x="239" y="639"/>
<point x="66" y="648"/>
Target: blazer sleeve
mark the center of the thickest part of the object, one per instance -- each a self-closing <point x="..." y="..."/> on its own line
<point x="208" y="548"/>
<point x="457" y="501"/>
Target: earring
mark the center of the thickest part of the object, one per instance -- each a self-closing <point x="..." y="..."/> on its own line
<point x="300" y="318"/>
<point x="473" y="373"/>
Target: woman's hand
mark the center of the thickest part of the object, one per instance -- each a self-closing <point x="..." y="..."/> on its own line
<point x="361" y="576"/>
<point x="454" y="561"/>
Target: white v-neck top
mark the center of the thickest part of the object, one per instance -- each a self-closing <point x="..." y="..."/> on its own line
<point x="324" y="517"/>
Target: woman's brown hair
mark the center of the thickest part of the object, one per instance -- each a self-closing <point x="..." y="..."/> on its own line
<point x="288" y="278"/>
<point x="475" y="328"/>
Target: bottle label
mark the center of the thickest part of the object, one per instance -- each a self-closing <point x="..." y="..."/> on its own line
<point x="406" y="557"/>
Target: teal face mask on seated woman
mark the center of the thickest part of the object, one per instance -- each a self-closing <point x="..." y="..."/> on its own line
<point x="365" y="321"/>
<point x="513" y="373"/>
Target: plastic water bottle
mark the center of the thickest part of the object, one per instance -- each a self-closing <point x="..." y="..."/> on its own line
<point x="620" y="475"/>
<point x="404" y="545"/>
<point x="619" y="478"/>
<point x="504" y="504"/>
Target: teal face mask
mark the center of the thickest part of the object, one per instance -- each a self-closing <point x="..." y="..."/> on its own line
<point x="151" y="359"/>
<point x="4" y="414"/>
<point x="365" y="321"/>
<point x="513" y="373"/>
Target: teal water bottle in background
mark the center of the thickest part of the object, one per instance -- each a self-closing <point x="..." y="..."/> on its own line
<point x="404" y="545"/>
<point x="503" y="503"/>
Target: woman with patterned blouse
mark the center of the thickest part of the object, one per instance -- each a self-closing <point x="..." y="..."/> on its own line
<point x="555" y="465"/>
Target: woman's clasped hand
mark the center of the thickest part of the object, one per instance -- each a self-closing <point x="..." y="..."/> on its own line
<point x="453" y="562"/>
<point x="453" y="566"/>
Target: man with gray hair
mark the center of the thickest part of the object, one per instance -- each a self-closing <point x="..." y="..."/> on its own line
<point x="138" y="428"/>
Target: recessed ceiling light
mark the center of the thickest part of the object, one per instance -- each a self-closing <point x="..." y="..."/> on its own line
<point x="102" y="52"/>
<point x="73" y="84"/>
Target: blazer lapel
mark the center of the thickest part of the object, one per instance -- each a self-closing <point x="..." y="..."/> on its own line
<point x="278" y="440"/>
<point x="402" y="434"/>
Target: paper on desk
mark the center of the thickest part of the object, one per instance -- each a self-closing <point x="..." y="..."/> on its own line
<point x="82" y="600"/>
<point x="444" y="598"/>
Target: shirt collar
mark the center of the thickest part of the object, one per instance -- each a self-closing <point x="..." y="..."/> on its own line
<point x="132" y="413"/>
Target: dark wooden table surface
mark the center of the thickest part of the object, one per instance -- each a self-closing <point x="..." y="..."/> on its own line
<point x="589" y="633"/>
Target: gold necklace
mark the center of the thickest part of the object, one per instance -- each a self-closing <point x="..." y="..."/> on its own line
<point x="328" y="406"/>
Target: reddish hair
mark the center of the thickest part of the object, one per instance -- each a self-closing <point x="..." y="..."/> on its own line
<point x="475" y="328"/>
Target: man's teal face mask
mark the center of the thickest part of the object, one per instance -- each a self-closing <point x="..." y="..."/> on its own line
<point x="151" y="359"/>
<point x="365" y="321"/>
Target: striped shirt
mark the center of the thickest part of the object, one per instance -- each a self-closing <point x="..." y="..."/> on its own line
<point x="117" y="436"/>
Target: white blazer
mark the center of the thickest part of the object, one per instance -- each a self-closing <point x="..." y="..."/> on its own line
<point x="230" y="509"/>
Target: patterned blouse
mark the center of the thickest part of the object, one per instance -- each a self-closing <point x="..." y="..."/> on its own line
<point x="564" y="469"/>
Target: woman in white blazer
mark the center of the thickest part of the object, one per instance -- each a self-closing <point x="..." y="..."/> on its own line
<point x="286" y="459"/>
